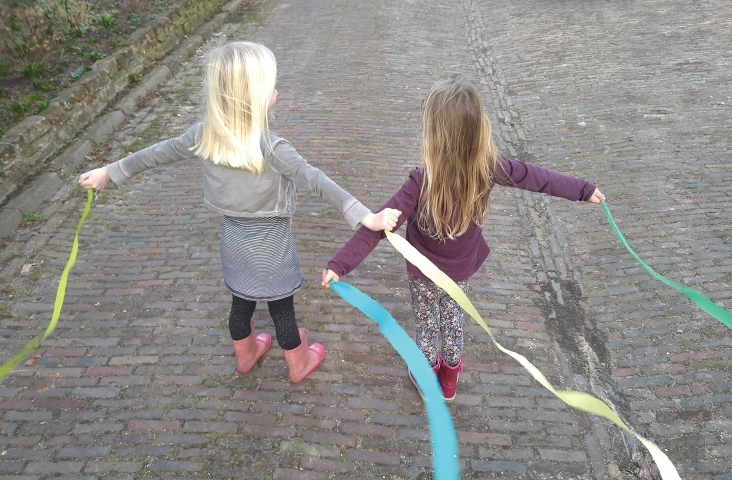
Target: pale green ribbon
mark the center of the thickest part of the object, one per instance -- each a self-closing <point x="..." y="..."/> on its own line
<point x="575" y="399"/>
<point x="8" y="366"/>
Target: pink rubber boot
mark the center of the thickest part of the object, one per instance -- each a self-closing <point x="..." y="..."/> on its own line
<point x="249" y="350"/>
<point x="303" y="359"/>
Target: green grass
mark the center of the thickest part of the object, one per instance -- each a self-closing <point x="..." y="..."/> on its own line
<point x="41" y="84"/>
<point x="33" y="104"/>
<point x="34" y="70"/>
<point x="25" y="290"/>
<point x="134" y="145"/>
<point x="28" y="218"/>
<point x="106" y="19"/>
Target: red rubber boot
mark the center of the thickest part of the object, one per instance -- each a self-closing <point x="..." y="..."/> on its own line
<point x="448" y="377"/>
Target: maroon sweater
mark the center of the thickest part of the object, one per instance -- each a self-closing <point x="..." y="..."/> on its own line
<point x="462" y="257"/>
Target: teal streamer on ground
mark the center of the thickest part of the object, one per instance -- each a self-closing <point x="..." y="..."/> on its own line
<point x="445" y="461"/>
<point x="703" y="302"/>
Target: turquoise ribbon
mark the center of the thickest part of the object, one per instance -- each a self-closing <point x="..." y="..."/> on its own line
<point x="703" y="302"/>
<point x="445" y="462"/>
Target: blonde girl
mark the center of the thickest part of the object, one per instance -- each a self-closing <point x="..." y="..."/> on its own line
<point x="444" y="204"/>
<point x="250" y="177"/>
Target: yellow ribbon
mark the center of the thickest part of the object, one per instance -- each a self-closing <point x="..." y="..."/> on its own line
<point x="8" y="366"/>
<point x="575" y="399"/>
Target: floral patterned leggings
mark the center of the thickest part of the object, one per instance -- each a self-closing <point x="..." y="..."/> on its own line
<point x="435" y="314"/>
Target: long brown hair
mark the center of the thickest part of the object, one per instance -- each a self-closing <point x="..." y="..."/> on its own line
<point x="459" y="159"/>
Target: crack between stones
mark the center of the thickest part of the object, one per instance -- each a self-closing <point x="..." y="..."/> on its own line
<point x="581" y="347"/>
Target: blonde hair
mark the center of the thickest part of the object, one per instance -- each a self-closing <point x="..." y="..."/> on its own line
<point x="240" y="80"/>
<point x="459" y="160"/>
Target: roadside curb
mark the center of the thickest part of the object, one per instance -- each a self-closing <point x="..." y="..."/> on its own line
<point x="48" y="182"/>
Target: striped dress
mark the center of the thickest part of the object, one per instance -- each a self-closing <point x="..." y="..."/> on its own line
<point x="259" y="259"/>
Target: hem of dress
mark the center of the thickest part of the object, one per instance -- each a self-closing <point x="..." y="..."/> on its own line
<point x="264" y="299"/>
<point x="238" y="214"/>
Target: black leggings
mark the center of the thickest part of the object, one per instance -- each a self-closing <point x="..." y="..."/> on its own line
<point x="282" y="313"/>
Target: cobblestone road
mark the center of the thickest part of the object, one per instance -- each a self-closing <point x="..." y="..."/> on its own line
<point x="138" y="380"/>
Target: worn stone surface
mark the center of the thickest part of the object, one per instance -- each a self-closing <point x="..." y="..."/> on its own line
<point x="30" y="144"/>
<point x="138" y="379"/>
<point x="637" y="99"/>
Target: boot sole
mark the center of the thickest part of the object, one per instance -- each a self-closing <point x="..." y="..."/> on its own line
<point x="447" y="400"/>
<point x="415" y="384"/>
<point x="451" y="399"/>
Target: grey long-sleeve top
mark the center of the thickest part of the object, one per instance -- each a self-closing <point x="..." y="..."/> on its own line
<point x="239" y="193"/>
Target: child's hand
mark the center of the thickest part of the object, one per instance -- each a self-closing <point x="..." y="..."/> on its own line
<point x="327" y="276"/>
<point x="384" y="220"/>
<point x="95" y="179"/>
<point x="596" y="197"/>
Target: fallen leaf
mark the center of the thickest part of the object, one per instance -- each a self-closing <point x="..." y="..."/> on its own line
<point x="25" y="270"/>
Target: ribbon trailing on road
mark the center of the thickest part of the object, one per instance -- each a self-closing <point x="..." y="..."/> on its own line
<point x="8" y="366"/>
<point x="575" y="399"/>
<point x="445" y="464"/>
<point x="703" y="302"/>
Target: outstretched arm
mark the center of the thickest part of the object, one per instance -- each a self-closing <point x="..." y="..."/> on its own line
<point x="119" y="172"/>
<point x="286" y="161"/>
<point x="526" y="176"/>
<point x="364" y="241"/>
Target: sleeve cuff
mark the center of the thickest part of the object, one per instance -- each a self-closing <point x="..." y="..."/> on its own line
<point x="116" y="174"/>
<point x="355" y="213"/>
<point x="335" y="267"/>
<point x="590" y="190"/>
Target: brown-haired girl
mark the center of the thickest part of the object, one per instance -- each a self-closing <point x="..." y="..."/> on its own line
<point x="444" y="204"/>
